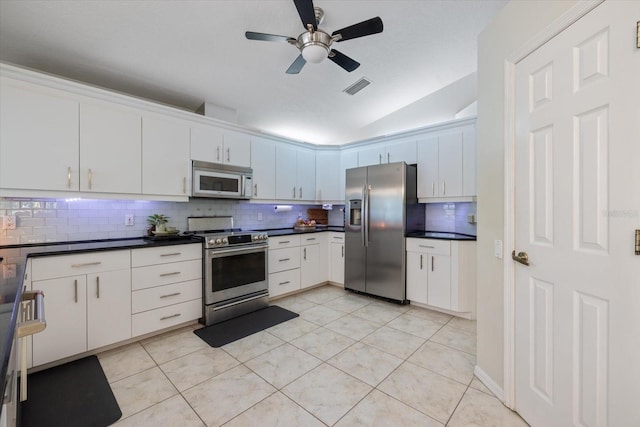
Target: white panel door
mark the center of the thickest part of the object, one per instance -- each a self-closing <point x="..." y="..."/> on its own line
<point x="450" y="164"/>
<point x="286" y="169"/>
<point x="328" y="175"/>
<point x="237" y="148"/>
<point x="306" y="174"/>
<point x="577" y="205"/>
<point x="428" y="167"/>
<point x="207" y="144"/>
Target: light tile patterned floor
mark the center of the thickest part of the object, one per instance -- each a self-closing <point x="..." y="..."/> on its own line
<point x="348" y="360"/>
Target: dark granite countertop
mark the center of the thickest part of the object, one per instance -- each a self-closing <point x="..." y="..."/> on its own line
<point x="442" y="235"/>
<point x="14" y="258"/>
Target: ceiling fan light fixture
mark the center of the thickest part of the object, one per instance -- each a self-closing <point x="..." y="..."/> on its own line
<point x="315" y="53"/>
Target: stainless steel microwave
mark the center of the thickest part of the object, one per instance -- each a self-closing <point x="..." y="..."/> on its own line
<point x="216" y="180"/>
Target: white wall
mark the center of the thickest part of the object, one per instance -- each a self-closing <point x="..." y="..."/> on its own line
<point x="514" y="26"/>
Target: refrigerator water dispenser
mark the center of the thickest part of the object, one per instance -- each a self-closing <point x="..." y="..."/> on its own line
<point x="355" y="212"/>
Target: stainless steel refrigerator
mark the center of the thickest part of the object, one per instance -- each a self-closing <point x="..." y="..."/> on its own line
<point x="381" y="206"/>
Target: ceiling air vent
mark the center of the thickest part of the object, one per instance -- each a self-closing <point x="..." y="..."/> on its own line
<point x="357" y="86"/>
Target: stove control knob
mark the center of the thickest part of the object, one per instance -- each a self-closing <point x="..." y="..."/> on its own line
<point x="211" y="242"/>
<point x="218" y="241"/>
<point x="255" y="237"/>
<point x="263" y="236"/>
<point x="225" y="240"/>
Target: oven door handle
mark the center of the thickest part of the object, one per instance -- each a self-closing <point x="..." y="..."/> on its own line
<point x="224" y="252"/>
<point x="231" y="304"/>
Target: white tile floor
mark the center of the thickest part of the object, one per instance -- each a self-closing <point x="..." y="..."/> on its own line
<point x="348" y="360"/>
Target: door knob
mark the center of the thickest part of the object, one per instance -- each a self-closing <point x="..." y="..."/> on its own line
<point x="522" y="257"/>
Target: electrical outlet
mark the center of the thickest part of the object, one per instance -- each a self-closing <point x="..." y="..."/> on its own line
<point x="128" y="219"/>
<point x="9" y="271"/>
<point x="9" y="222"/>
<point x="259" y="216"/>
<point x="497" y="248"/>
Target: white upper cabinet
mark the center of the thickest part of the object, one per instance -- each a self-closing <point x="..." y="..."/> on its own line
<point x="165" y="156"/>
<point x="446" y="165"/>
<point x="391" y="151"/>
<point x="328" y="175"/>
<point x="39" y="146"/>
<point x="215" y="145"/>
<point x="295" y="173"/>
<point x="348" y="160"/>
<point x="110" y="149"/>
<point x="263" y="163"/>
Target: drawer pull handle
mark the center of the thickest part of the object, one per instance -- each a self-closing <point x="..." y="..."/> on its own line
<point x="284" y="259"/>
<point x="173" y="273"/>
<point x="75" y="286"/>
<point x="170" y="317"/>
<point x="284" y="283"/>
<point x="171" y="254"/>
<point x="433" y="264"/>
<point x="170" y="295"/>
<point x="69" y="177"/>
<point x="310" y="239"/>
<point x="284" y="242"/>
<point x="428" y="247"/>
<point x="98" y="287"/>
<point x="86" y="264"/>
<point x="305" y="254"/>
<point x="421" y="263"/>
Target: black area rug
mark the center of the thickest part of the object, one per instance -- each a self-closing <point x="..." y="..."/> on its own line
<point x="239" y="327"/>
<point x="74" y="394"/>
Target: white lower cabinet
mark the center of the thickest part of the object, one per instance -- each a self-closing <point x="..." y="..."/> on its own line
<point x="88" y="299"/>
<point x="441" y="274"/>
<point x="336" y="257"/>
<point x="297" y="262"/>
<point x="167" y="287"/>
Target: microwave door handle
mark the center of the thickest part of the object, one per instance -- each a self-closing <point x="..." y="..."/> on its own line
<point x="243" y="186"/>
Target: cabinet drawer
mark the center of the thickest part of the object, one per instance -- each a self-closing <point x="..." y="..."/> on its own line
<point x="284" y="259"/>
<point x="337" y="238"/>
<point x="283" y="282"/>
<point x="157" y="275"/>
<point x="71" y="265"/>
<point x="312" y="239"/>
<point x="432" y="246"/>
<point x="160" y="318"/>
<point x="162" y="296"/>
<point x="280" y="242"/>
<point x="165" y="254"/>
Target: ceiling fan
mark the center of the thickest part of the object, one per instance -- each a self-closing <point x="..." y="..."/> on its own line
<point x="315" y="44"/>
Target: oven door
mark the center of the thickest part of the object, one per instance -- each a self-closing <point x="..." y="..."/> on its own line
<point x="232" y="273"/>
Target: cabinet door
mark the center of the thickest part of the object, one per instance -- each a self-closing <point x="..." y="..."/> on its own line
<point x="374" y="155"/>
<point x="108" y="308"/>
<point x="417" y="277"/>
<point x="306" y="174"/>
<point x="337" y="263"/>
<point x="237" y="149"/>
<point x="207" y="144"/>
<point x="39" y="146"/>
<point x="403" y="150"/>
<point x="165" y="157"/>
<point x="66" y="313"/>
<point x="110" y="149"/>
<point x="469" y="162"/>
<point x="286" y="169"/>
<point x="263" y="163"/>
<point x="309" y="265"/>
<point x="348" y="160"/>
<point x="450" y="165"/>
<point x="439" y="280"/>
<point x="428" y="167"/>
<point x="328" y="175"/>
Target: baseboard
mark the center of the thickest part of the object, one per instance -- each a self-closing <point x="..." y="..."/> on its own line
<point x="489" y="383"/>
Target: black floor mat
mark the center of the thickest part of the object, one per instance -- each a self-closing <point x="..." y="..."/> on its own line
<point x="74" y="394"/>
<point x="239" y="327"/>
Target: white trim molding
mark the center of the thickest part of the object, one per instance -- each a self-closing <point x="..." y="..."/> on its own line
<point x="489" y="383"/>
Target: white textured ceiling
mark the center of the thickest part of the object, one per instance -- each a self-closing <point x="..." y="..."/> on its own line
<point x="184" y="53"/>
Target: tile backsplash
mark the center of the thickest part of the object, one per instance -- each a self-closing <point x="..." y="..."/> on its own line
<point x="49" y="220"/>
<point x="452" y="217"/>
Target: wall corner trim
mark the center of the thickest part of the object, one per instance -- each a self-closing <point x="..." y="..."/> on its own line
<point x="489" y="383"/>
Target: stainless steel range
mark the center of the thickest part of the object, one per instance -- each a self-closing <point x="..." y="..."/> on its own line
<point x="235" y="268"/>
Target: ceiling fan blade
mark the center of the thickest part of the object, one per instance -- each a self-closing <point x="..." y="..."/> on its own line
<point x="268" y="37"/>
<point x="307" y="13"/>
<point x="361" y="29"/>
<point x="297" y="65"/>
<point x="343" y="60"/>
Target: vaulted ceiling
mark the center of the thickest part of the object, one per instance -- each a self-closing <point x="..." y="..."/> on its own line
<point x="186" y="53"/>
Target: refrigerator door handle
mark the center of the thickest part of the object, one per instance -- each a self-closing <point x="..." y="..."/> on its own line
<point x="366" y="218"/>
